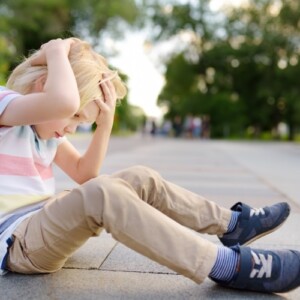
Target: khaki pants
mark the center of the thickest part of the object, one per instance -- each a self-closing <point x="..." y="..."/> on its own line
<point x="139" y="208"/>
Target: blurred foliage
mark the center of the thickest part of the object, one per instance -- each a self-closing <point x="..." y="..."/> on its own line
<point x="4" y="59"/>
<point x="127" y="117"/>
<point x="240" y="65"/>
<point x="27" y="24"/>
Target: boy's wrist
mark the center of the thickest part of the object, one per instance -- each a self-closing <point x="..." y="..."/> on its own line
<point x="105" y="121"/>
<point x="56" y="54"/>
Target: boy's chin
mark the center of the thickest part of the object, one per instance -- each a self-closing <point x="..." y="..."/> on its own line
<point x="45" y="136"/>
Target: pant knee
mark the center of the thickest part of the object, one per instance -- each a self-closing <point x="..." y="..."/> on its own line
<point x="109" y="199"/>
<point x="99" y="189"/>
<point x="139" y="175"/>
<point x="105" y="190"/>
<point x="145" y="181"/>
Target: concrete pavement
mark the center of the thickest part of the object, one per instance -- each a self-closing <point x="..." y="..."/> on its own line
<point x="226" y="172"/>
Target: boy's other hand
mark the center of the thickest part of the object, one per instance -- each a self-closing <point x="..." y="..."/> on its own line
<point x="106" y="105"/>
<point x="40" y="57"/>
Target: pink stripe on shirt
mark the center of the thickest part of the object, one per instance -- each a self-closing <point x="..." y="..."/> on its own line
<point x="45" y="172"/>
<point x="3" y="95"/>
<point x="23" y="166"/>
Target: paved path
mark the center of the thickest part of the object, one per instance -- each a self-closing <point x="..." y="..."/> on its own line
<point x="226" y="172"/>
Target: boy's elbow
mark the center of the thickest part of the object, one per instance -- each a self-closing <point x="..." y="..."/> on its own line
<point x="86" y="178"/>
<point x="71" y="108"/>
<point x="69" y="105"/>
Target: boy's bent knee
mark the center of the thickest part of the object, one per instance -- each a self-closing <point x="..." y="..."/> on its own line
<point x="99" y="186"/>
<point x="137" y="173"/>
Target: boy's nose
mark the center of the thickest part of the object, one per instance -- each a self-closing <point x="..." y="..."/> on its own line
<point x="71" y="128"/>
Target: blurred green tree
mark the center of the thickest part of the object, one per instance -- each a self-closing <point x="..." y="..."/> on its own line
<point x="26" y="24"/>
<point x="239" y="65"/>
<point x="269" y="50"/>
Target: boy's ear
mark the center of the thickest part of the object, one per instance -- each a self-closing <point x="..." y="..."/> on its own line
<point x="39" y="83"/>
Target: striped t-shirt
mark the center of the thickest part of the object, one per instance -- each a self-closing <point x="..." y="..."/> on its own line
<point x="26" y="175"/>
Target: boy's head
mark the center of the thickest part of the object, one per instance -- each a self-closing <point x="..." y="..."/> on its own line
<point x="88" y="67"/>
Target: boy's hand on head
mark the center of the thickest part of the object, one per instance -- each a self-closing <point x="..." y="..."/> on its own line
<point x="40" y="58"/>
<point x="108" y="104"/>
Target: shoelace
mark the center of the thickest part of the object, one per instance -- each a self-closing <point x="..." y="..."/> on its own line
<point x="256" y="211"/>
<point x="264" y="265"/>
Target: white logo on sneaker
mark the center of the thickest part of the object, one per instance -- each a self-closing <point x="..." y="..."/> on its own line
<point x="256" y="211"/>
<point x="264" y="262"/>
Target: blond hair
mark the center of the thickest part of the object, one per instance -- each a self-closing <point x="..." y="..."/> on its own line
<point x="88" y="67"/>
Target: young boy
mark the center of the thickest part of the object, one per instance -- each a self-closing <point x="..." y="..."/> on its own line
<point x="50" y="94"/>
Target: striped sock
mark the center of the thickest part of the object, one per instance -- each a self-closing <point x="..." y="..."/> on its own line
<point x="233" y="221"/>
<point x="226" y="264"/>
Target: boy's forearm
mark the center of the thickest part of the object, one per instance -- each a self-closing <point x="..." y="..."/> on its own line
<point x="90" y="163"/>
<point x="61" y="84"/>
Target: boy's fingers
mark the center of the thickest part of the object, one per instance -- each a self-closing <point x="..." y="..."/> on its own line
<point x="38" y="59"/>
<point x="108" y="89"/>
<point x="108" y="93"/>
<point x="99" y="103"/>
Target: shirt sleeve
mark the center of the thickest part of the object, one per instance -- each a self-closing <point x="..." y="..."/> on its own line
<point x="61" y="140"/>
<point x="6" y="96"/>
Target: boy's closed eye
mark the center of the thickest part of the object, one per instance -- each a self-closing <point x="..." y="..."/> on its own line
<point x="84" y="119"/>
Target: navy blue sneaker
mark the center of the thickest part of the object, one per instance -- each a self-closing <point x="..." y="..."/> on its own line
<point x="254" y="223"/>
<point x="265" y="271"/>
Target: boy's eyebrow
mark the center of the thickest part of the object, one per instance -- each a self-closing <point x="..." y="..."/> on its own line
<point x="82" y="115"/>
<point x="86" y="118"/>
